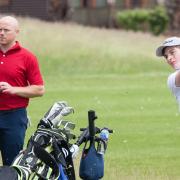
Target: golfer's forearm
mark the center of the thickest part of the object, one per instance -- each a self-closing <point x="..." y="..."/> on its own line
<point x="29" y="91"/>
<point x="177" y="80"/>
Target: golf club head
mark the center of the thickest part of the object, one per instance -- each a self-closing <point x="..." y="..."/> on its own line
<point x="55" y="110"/>
<point x="57" y="121"/>
<point x="54" y="115"/>
<point x="67" y="110"/>
<point x="68" y="125"/>
<point x="71" y="136"/>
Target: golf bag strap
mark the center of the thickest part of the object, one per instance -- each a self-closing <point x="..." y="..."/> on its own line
<point x="58" y="153"/>
<point x="69" y="162"/>
<point x="46" y="157"/>
<point x="57" y="133"/>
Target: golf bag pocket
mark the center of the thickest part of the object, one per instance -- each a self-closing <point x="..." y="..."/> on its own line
<point x="92" y="164"/>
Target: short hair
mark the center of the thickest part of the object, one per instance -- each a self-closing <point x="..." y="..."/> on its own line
<point x="163" y="50"/>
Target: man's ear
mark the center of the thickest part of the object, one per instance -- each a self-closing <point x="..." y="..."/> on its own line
<point x="17" y="31"/>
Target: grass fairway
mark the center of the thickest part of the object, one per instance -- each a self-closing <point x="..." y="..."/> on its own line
<point x="117" y="74"/>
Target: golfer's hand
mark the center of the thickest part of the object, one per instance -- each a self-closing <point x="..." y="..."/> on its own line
<point x="6" y="88"/>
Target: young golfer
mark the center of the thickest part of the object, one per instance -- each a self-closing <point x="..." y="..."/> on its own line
<point x="170" y="50"/>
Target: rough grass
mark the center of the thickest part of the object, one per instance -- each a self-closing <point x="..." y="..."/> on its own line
<point x="117" y="74"/>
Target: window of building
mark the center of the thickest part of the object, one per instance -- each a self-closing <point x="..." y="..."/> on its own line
<point x="84" y="3"/>
<point x="88" y="3"/>
<point x="137" y="3"/>
<point x="4" y="2"/>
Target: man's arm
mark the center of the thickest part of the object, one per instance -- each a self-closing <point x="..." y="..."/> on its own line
<point x="27" y="92"/>
<point x="177" y="79"/>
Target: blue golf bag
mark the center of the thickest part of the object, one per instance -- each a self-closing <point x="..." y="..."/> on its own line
<point x="92" y="159"/>
<point x="92" y="164"/>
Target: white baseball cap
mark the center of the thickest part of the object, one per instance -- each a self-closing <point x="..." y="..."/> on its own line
<point x="172" y="41"/>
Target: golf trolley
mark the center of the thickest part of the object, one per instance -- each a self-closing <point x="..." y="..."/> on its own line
<point x="49" y="153"/>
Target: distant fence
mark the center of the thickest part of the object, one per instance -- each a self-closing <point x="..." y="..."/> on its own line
<point x="93" y="12"/>
<point x="43" y="9"/>
<point x="82" y="11"/>
<point x="94" y="17"/>
<point x="32" y="8"/>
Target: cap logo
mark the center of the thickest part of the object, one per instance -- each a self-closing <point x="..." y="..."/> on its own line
<point x="168" y="41"/>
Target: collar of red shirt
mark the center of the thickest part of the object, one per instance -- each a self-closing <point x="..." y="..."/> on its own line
<point x="13" y="48"/>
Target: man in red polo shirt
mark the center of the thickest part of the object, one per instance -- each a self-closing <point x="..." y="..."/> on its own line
<point x="20" y="79"/>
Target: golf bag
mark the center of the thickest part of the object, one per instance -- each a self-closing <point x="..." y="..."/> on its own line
<point x="91" y="164"/>
<point x="47" y="156"/>
<point x="92" y="159"/>
<point x="49" y="153"/>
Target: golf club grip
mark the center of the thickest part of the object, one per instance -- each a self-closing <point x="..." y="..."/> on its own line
<point x="110" y="130"/>
<point x="82" y="129"/>
<point x="82" y="137"/>
<point x="91" y="118"/>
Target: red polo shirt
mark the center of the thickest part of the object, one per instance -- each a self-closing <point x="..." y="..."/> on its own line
<point x="18" y="67"/>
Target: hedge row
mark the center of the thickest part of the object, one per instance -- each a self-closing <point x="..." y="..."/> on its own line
<point x="154" y="20"/>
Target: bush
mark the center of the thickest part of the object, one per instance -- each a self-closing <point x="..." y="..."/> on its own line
<point x="155" y="20"/>
<point x="158" y="20"/>
<point x="132" y="19"/>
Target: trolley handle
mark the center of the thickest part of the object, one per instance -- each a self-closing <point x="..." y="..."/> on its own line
<point x="90" y="132"/>
<point x="91" y="117"/>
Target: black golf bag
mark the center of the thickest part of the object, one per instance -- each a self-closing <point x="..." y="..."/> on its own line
<point x="47" y="156"/>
